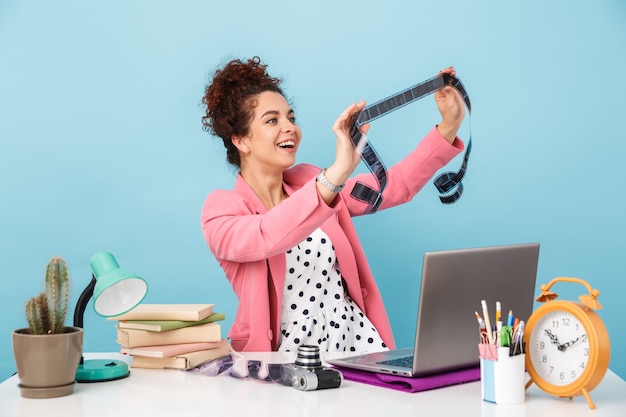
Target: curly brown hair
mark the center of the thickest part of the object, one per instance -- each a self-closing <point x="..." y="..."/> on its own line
<point x="230" y="99"/>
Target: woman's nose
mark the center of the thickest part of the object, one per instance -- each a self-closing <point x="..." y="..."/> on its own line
<point x="287" y="126"/>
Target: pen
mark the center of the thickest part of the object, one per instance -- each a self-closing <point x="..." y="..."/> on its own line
<point x="498" y="311"/>
<point x="487" y="322"/>
<point x="506" y="336"/>
<point x="510" y="319"/>
<point x="519" y="331"/>
<point x="480" y="320"/>
<point x="482" y="327"/>
<point x="518" y="336"/>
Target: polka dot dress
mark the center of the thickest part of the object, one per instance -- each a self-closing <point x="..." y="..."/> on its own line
<point x="315" y="308"/>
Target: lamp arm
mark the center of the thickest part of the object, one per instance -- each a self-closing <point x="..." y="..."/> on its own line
<point x="82" y="302"/>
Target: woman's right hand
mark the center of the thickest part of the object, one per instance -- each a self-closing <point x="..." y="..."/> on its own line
<point x="346" y="156"/>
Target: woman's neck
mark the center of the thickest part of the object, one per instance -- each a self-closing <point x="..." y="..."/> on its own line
<point x="269" y="188"/>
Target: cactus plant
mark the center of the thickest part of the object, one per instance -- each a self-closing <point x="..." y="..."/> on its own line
<point x="46" y="312"/>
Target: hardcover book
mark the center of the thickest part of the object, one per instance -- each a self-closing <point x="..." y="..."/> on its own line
<point x="168" y="351"/>
<point x="209" y="332"/>
<point x="183" y="361"/>
<point x="165" y="325"/>
<point x="184" y="312"/>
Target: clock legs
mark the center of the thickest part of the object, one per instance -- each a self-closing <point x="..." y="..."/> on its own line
<point x="584" y="391"/>
<point x="586" y="394"/>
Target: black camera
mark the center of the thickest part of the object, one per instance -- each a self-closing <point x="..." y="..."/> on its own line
<point x="307" y="373"/>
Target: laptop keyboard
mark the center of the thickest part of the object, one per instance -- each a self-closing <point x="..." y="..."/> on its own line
<point x="404" y="362"/>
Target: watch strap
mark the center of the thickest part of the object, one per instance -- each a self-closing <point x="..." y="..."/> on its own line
<point x="321" y="178"/>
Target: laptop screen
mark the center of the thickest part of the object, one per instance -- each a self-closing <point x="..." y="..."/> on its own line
<point x="453" y="284"/>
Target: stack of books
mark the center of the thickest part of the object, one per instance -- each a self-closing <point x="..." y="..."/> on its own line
<point x="171" y="336"/>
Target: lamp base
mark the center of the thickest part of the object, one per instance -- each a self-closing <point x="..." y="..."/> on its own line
<point x="101" y="370"/>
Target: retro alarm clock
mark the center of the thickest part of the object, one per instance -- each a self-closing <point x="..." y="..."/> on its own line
<point x="567" y="344"/>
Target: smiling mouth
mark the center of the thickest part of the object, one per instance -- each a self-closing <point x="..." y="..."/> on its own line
<point x="288" y="144"/>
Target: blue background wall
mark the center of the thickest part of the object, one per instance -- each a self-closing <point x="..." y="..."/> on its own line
<point x="101" y="146"/>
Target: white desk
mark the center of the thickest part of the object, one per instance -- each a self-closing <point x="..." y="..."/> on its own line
<point x="154" y="393"/>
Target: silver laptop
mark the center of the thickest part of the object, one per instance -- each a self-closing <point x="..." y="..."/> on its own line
<point x="453" y="284"/>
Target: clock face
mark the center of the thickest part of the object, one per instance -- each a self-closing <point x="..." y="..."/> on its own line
<point x="559" y="348"/>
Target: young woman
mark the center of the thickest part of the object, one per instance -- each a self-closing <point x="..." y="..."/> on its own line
<point x="284" y="235"/>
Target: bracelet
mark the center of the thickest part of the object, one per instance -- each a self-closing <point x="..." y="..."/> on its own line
<point x="326" y="183"/>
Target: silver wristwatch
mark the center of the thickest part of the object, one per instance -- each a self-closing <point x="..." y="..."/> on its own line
<point x="321" y="177"/>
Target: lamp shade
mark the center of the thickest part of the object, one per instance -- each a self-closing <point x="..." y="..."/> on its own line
<point x="116" y="291"/>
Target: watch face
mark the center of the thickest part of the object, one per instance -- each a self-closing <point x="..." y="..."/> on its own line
<point x="559" y="348"/>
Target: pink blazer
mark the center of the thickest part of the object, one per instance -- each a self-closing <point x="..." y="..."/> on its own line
<point x="250" y="242"/>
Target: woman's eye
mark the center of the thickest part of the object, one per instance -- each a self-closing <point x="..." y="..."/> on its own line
<point x="292" y="119"/>
<point x="271" y="121"/>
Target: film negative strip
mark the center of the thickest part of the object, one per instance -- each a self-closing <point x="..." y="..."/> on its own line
<point x="449" y="184"/>
<point x="253" y="368"/>
<point x="306" y="374"/>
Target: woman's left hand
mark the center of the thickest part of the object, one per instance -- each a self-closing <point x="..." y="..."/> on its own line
<point x="452" y="109"/>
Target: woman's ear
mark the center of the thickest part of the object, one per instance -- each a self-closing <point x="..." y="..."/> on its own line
<point x="241" y="143"/>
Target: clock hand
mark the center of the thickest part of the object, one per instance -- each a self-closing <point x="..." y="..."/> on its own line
<point x="564" y="346"/>
<point x="553" y="338"/>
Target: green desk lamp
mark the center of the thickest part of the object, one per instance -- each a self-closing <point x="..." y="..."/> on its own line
<point x="115" y="292"/>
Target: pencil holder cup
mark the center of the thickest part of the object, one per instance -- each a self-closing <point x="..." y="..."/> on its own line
<point x="502" y="377"/>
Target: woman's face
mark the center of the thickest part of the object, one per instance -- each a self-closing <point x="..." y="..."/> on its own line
<point x="273" y="137"/>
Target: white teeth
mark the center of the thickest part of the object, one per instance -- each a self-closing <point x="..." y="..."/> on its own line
<point x="287" y="144"/>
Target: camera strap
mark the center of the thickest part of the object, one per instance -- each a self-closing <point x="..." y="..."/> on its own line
<point x="448" y="184"/>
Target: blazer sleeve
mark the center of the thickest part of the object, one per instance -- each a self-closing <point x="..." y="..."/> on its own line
<point x="234" y="231"/>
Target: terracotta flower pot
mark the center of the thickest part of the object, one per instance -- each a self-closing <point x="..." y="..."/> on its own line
<point x="46" y="364"/>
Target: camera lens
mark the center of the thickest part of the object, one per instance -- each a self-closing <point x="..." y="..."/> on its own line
<point x="308" y="357"/>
